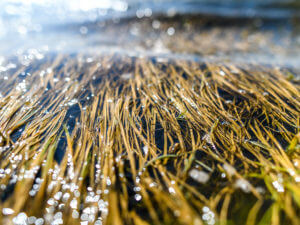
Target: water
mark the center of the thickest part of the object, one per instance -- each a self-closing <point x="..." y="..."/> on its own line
<point x="52" y="48"/>
<point x="264" y="31"/>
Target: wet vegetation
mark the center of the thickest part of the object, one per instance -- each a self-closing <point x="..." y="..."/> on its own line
<point x="161" y="112"/>
<point x="141" y="140"/>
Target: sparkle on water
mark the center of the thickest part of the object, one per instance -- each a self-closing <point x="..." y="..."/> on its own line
<point x="86" y="207"/>
<point x="199" y="176"/>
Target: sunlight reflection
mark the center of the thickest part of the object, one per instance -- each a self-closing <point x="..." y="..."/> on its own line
<point x="75" y="5"/>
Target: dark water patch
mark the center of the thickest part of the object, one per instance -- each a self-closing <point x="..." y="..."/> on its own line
<point x="7" y="192"/>
<point x="17" y="133"/>
<point x="60" y="149"/>
<point x="73" y="114"/>
<point x="238" y="210"/>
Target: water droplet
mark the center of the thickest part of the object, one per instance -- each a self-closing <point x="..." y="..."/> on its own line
<point x="98" y="222"/>
<point x="156" y="24"/>
<point x="126" y="76"/>
<point x="148" y="12"/>
<point x="136" y="189"/>
<point x="83" y="30"/>
<point x="145" y="150"/>
<point x="278" y="186"/>
<point x="39" y="221"/>
<point x="199" y="176"/>
<point x="51" y="201"/>
<point x="243" y="184"/>
<point x="7" y="211"/>
<point x="137" y="197"/>
<point x="65" y="197"/>
<point x="31" y="220"/>
<point x="172" y="190"/>
<point x="208" y="216"/>
<point x="20" y="219"/>
<point x="140" y="13"/>
<point x="171" y="31"/>
<point x="73" y="204"/>
<point x="229" y="169"/>
<point x="58" y="195"/>
<point x="260" y="190"/>
<point x="84" y="216"/>
<point x="75" y="214"/>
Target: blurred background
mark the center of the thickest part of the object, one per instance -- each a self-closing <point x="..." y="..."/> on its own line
<point x="265" y="31"/>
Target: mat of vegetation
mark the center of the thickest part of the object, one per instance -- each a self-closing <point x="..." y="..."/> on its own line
<point x="124" y="140"/>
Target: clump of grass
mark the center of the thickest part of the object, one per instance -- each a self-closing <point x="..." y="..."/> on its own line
<point x="134" y="141"/>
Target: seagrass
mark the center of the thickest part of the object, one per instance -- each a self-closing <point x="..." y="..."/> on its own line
<point x="137" y="140"/>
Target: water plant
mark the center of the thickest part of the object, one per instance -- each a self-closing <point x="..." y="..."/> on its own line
<point x="124" y="140"/>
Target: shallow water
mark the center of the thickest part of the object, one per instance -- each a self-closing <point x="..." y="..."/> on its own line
<point x="56" y="54"/>
<point x="243" y="31"/>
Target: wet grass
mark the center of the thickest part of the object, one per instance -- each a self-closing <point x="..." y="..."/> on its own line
<point x="135" y="141"/>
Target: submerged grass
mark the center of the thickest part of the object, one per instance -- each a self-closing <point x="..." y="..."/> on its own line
<point x="136" y="141"/>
